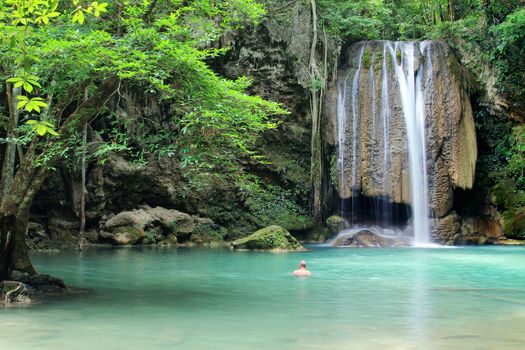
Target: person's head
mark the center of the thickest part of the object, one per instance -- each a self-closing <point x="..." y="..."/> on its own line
<point x="302" y="264"/>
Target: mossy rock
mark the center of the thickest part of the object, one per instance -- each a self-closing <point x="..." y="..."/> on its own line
<point x="336" y="224"/>
<point x="204" y="235"/>
<point x="127" y="235"/>
<point x="269" y="238"/>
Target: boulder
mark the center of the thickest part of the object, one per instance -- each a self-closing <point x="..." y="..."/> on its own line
<point x="135" y="218"/>
<point x="177" y="221"/>
<point x="336" y="223"/>
<point x="269" y="238"/>
<point x="127" y="235"/>
<point x="367" y="238"/>
<point x="150" y="225"/>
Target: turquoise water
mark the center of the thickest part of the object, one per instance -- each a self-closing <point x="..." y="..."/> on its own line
<point x="404" y="298"/>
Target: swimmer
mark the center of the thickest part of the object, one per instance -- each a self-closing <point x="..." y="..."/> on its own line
<point x="302" y="272"/>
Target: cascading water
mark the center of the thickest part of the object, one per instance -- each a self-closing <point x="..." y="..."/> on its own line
<point x="403" y="63"/>
<point x="385" y="208"/>
<point x="355" y="125"/>
<point x="405" y="138"/>
<point x="410" y="85"/>
<point x="341" y="127"/>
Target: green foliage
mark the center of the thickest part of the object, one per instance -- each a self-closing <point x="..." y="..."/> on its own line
<point x="158" y="47"/>
<point x="353" y="20"/>
<point x="507" y="54"/>
<point x="274" y="205"/>
<point x="19" y="20"/>
<point x="508" y="192"/>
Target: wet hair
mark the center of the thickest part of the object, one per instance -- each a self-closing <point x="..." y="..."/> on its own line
<point x="302" y="263"/>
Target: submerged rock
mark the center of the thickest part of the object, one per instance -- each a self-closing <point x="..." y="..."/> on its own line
<point x="367" y="238"/>
<point x="269" y="238"/>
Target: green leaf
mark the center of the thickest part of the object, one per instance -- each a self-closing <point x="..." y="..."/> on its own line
<point x="15" y="79"/>
<point x="28" y="87"/>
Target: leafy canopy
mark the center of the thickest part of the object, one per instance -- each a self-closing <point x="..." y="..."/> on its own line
<point x="158" y="47"/>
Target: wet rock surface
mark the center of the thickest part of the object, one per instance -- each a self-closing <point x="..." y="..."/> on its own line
<point x="368" y="239"/>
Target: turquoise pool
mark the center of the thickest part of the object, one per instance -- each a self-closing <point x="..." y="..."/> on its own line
<point x="403" y="298"/>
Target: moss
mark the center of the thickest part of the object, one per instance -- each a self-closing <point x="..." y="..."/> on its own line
<point x="514" y="223"/>
<point x="456" y="69"/>
<point x="367" y="57"/>
<point x="171" y="239"/>
<point x="153" y="233"/>
<point x="129" y="230"/>
<point x="126" y="235"/>
<point x="398" y="57"/>
<point x="378" y="61"/>
<point x="269" y="238"/>
<point x="205" y="234"/>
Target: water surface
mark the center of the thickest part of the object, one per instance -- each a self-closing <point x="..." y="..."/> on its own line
<point x="404" y="298"/>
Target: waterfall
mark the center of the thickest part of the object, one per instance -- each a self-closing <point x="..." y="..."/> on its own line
<point x="405" y="138"/>
<point x="355" y="127"/>
<point x="401" y="74"/>
<point x="385" y="207"/>
<point x="410" y="85"/>
<point x="341" y="137"/>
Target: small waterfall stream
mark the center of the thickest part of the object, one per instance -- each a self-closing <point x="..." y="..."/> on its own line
<point x="355" y="126"/>
<point x="385" y="114"/>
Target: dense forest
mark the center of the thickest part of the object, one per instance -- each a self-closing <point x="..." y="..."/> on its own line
<point x="149" y="83"/>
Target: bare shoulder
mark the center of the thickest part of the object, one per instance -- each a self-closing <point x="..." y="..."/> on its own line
<point x="302" y="273"/>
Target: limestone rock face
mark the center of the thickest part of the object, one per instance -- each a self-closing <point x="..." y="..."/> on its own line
<point x="367" y="122"/>
<point x="448" y="229"/>
<point x="450" y="135"/>
<point x="269" y="238"/>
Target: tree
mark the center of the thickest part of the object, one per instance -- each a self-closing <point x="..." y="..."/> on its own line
<point x="68" y="72"/>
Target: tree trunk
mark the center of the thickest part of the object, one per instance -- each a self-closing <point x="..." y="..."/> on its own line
<point x="7" y="232"/>
<point x="14" y="209"/>
<point x="82" y="211"/>
<point x="316" y="154"/>
<point x="452" y="10"/>
<point x="20" y="258"/>
<point x="8" y="167"/>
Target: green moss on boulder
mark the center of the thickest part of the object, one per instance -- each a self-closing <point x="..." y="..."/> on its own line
<point x="269" y="238"/>
<point x="127" y="235"/>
